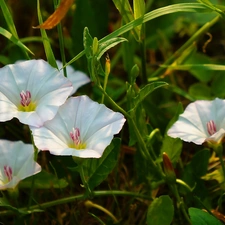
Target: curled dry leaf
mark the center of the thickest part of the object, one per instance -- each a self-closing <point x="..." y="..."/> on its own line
<point x="57" y="16"/>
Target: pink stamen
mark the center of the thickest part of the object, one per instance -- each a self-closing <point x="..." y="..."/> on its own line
<point x="75" y="136"/>
<point x="211" y="127"/>
<point x="25" y="98"/>
<point x="8" y="172"/>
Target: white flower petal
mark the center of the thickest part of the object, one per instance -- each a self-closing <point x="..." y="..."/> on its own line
<point x="192" y="124"/>
<point x="20" y="157"/>
<point x="78" y="78"/>
<point x="217" y="137"/>
<point x="97" y="125"/>
<point x="49" y="89"/>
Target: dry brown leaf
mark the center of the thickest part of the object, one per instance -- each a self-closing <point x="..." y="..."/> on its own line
<point x="57" y="16"/>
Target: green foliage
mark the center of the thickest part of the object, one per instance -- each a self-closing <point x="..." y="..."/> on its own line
<point x="104" y="47"/>
<point x="200" y="91"/>
<point x="12" y="38"/>
<point x="43" y="180"/>
<point x="194" y="172"/>
<point x="4" y="203"/>
<point x="46" y="42"/>
<point x="160" y="211"/>
<point x="8" y="18"/>
<point x="145" y="91"/>
<point x="200" y="217"/>
<point x="94" y="171"/>
<point x="173" y="148"/>
<point x="163" y="55"/>
<point x="94" y="54"/>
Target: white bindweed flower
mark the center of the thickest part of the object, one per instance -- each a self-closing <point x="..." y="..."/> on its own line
<point x="202" y="121"/>
<point x="32" y="91"/>
<point x="16" y="163"/>
<point x="81" y="128"/>
<point x="77" y="77"/>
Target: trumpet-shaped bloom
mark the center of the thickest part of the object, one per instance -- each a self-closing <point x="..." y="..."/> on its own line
<point x="16" y="163"/>
<point x="81" y="128"/>
<point x="32" y="91"/>
<point x="202" y="121"/>
<point x="77" y="77"/>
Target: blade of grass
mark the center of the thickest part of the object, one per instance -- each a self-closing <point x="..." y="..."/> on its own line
<point x="8" y="18"/>
<point x="187" y="67"/>
<point x="15" y="40"/>
<point x="181" y="7"/>
<point x="47" y="46"/>
<point x="10" y="23"/>
<point x="188" y="43"/>
<point x="61" y="42"/>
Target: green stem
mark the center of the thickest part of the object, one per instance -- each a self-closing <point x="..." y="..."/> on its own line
<point x="180" y="202"/>
<point x="33" y="178"/>
<point x="127" y="115"/>
<point x="105" y="84"/>
<point x="61" y="47"/>
<point x="77" y="197"/>
<point x="143" y="57"/>
<point x="144" y="150"/>
<point x="189" y="42"/>
<point x="61" y="42"/>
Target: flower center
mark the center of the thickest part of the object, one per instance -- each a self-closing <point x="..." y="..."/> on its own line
<point x="7" y="177"/>
<point x="211" y="127"/>
<point x="26" y="104"/>
<point x="75" y="136"/>
<point x="25" y="98"/>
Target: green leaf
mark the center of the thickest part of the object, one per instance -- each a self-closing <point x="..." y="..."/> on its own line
<point x="199" y="72"/>
<point x="15" y="40"/>
<point x="43" y="180"/>
<point x="208" y="4"/>
<point x="176" y="116"/>
<point x="203" y="66"/>
<point x="8" y="18"/>
<point x="173" y="148"/>
<point x="181" y="92"/>
<point x="97" y="170"/>
<point x="125" y="10"/>
<point x="195" y="170"/>
<point x="94" y="65"/>
<point x="4" y="60"/>
<point x="218" y="85"/>
<point x="174" y="8"/>
<point x="139" y="8"/>
<point x="200" y="167"/>
<point x="160" y="211"/>
<point x="104" y="47"/>
<point x="200" y="91"/>
<point x="88" y="41"/>
<point x="134" y="74"/>
<point x="139" y="11"/>
<point x="146" y="90"/>
<point x="46" y="42"/>
<point x="200" y="217"/>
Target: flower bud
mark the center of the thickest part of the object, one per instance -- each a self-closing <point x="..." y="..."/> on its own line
<point x="95" y="46"/>
<point x="168" y="169"/>
<point x="107" y="65"/>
